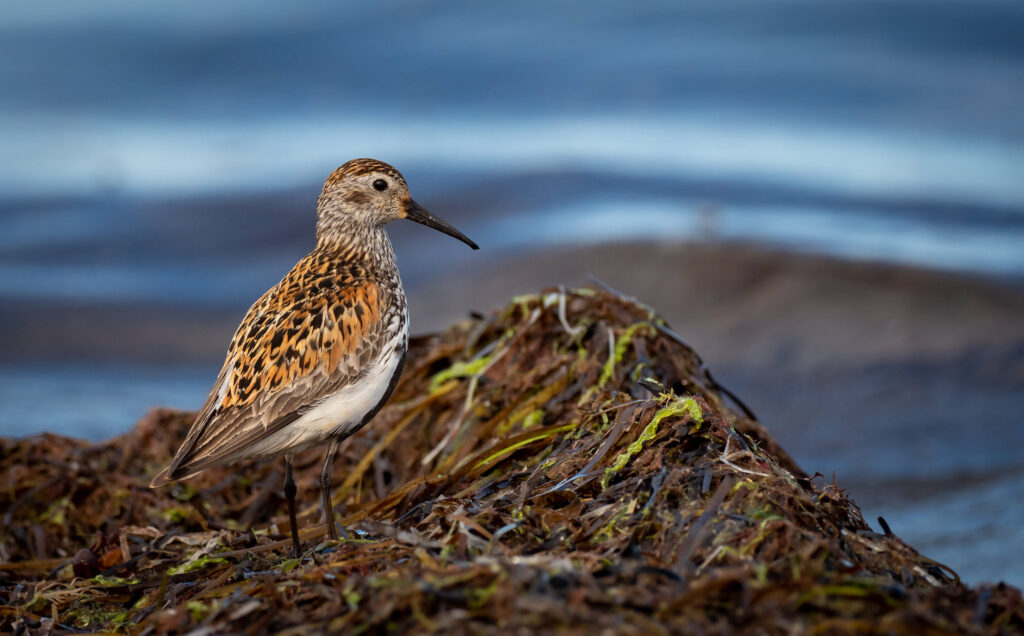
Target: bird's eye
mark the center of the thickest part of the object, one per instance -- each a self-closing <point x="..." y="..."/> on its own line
<point x="380" y="185"/>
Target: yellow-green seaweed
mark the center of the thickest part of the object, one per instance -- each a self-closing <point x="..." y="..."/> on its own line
<point x="677" y="407"/>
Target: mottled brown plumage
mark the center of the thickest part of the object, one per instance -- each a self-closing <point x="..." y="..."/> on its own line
<point x="319" y="353"/>
<point x="303" y="340"/>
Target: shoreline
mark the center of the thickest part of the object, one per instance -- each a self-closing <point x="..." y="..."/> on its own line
<point x="746" y="284"/>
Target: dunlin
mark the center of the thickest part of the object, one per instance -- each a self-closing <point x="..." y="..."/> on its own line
<point x="320" y="352"/>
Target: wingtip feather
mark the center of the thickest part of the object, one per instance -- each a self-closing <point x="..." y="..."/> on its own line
<point x="161" y="478"/>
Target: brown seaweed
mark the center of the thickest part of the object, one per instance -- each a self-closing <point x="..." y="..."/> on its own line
<point x="564" y="465"/>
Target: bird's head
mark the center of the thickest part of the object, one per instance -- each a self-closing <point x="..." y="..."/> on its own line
<point x="366" y="193"/>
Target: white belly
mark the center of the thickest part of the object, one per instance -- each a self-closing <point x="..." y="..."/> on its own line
<point x="341" y="412"/>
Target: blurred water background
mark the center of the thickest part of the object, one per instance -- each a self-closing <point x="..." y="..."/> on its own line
<point x="159" y="165"/>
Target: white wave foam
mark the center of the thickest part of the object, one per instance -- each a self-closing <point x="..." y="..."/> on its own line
<point x="874" y="236"/>
<point x="76" y="156"/>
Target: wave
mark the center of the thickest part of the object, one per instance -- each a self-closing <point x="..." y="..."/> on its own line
<point x="45" y="157"/>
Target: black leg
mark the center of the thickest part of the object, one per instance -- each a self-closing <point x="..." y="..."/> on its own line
<point x="325" y="492"/>
<point x="289" y="495"/>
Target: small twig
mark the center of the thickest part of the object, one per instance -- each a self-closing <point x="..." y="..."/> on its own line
<point x="711" y="557"/>
<point x="724" y="458"/>
<point x="572" y="331"/>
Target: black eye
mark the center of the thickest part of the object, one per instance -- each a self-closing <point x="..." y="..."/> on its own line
<point x="380" y="185"/>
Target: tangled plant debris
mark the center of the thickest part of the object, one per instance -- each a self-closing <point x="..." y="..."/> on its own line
<point x="564" y="465"/>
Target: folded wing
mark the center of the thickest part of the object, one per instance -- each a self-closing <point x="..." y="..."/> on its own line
<point x="294" y="348"/>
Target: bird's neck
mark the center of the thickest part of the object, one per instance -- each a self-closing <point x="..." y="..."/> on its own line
<point x="368" y="245"/>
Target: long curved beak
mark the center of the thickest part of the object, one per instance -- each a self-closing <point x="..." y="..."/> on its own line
<point x="416" y="212"/>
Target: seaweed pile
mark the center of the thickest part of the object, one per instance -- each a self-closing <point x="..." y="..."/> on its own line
<point x="566" y="464"/>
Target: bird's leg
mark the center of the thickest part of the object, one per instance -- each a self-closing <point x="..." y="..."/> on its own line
<point x="325" y="492"/>
<point x="289" y="495"/>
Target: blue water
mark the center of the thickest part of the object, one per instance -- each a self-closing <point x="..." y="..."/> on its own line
<point x="873" y="130"/>
<point x="95" y="400"/>
<point x="170" y="154"/>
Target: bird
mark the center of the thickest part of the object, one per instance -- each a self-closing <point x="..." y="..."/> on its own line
<point x="318" y="354"/>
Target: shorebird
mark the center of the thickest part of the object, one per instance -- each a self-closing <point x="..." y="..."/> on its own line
<point x="319" y="353"/>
